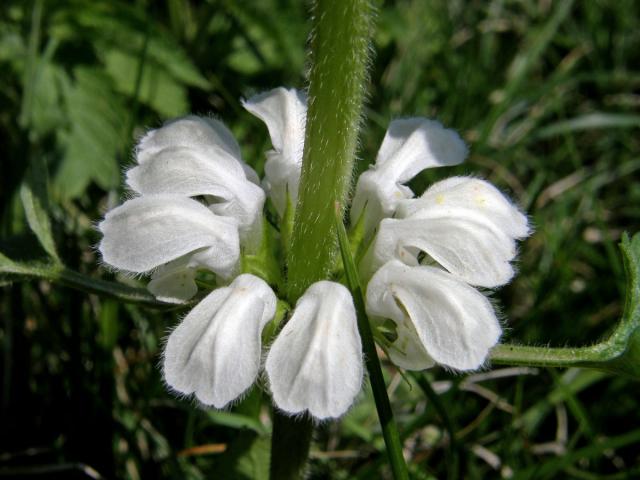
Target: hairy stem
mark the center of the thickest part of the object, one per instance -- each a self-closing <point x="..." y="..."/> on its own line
<point x="339" y="57"/>
<point x="62" y="275"/>
<point x="339" y="54"/>
<point x="506" y="354"/>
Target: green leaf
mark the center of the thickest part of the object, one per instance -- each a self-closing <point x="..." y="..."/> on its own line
<point x="35" y="200"/>
<point x="10" y="268"/>
<point x="12" y="46"/>
<point x="158" y="89"/>
<point x="266" y="39"/>
<point x="6" y="264"/>
<point x="124" y="40"/>
<point x="246" y="458"/>
<point x="254" y="463"/>
<point x="236" y="420"/>
<point x="47" y="106"/>
<point x="97" y="133"/>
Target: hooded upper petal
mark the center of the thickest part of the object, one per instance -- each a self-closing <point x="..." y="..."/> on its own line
<point x="215" y="351"/>
<point x="315" y="363"/>
<point x="147" y="232"/>
<point x="206" y="171"/>
<point x="464" y="224"/>
<point x="470" y="194"/>
<point x="198" y="156"/>
<point x="195" y="132"/>
<point x="409" y="146"/>
<point x="453" y="322"/>
<point x="284" y="111"/>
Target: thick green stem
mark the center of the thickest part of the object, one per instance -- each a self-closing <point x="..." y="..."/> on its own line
<point x="339" y="57"/>
<point x="295" y="434"/>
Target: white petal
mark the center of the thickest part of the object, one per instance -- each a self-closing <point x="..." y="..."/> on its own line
<point x="147" y="232"/>
<point x="409" y="146"/>
<point x="190" y="131"/>
<point x="407" y="350"/>
<point x="215" y="351"/>
<point x="284" y="111"/>
<point x="189" y="171"/>
<point x="174" y="282"/>
<point x="210" y="172"/>
<point x="199" y="133"/>
<point x="315" y="363"/>
<point x="467" y="247"/>
<point x="413" y="144"/>
<point x="455" y="323"/>
<point x="471" y="194"/>
<point x="466" y="225"/>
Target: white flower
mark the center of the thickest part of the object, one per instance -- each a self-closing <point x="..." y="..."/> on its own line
<point x="215" y="351"/>
<point x="284" y="111"/>
<point x="315" y="363"/>
<point x="198" y="204"/>
<point x="464" y="229"/>
<point x="198" y="157"/>
<point x="464" y="224"/>
<point x="409" y="146"/>
<point x="438" y="317"/>
<point x="150" y="231"/>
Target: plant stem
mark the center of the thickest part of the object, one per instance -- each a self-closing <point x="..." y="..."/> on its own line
<point x="339" y="57"/>
<point x="506" y="354"/>
<point x="295" y="433"/>
<point x="620" y="353"/>
<point x="57" y="273"/>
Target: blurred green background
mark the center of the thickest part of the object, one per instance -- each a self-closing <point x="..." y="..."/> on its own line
<point x="547" y="95"/>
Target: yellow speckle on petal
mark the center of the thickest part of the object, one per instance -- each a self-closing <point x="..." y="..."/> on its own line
<point x="439" y="199"/>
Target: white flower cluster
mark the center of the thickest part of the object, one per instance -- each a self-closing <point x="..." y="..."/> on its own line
<point x="464" y="229"/>
<point x="197" y="205"/>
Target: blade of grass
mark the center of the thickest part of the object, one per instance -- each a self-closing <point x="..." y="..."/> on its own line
<point x="596" y="120"/>
<point x="383" y="406"/>
<point x="32" y="61"/>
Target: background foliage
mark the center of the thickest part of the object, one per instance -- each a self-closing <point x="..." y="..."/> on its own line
<point x="545" y="93"/>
